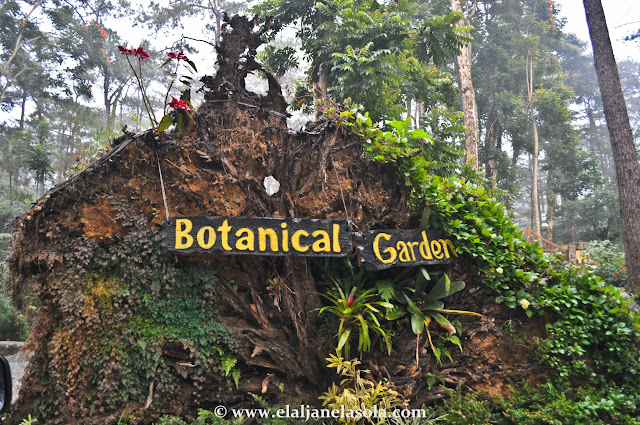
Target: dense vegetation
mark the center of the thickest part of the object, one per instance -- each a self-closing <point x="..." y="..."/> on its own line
<point x="387" y="69"/>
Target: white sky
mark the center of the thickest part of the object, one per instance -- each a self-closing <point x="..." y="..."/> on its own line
<point x="623" y="18"/>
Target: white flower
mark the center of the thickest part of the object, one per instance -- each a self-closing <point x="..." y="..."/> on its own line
<point x="524" y="303"/>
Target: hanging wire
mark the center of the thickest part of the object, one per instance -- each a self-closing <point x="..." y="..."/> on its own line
<point x="344" y="203"/>
<point x="164" y="195"/>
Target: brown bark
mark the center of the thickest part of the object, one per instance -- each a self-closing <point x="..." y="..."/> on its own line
<point x="624" y="154"/>
<point x="467" y="93"/>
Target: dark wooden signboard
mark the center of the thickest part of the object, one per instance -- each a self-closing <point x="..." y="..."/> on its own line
<point x="257" y="236"/>
<point x="381" y="249"/>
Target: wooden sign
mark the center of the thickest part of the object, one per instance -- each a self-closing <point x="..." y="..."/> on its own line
<point x="381" y="249"/>
<point x="257" y="236"/>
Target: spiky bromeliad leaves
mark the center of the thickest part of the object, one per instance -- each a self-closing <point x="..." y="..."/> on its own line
<point x="357" y="311"/>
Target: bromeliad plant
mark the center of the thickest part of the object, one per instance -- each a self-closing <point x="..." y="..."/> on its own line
<point x="411" y="297"/>
<point x="358" y="312"/>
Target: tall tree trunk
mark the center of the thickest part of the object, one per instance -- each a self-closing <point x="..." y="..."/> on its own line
<point x="551" y="204"/>
<point x="491" y="140"/>
<point x="107" y="100"/>
<point x="625" y="157"/>
<point x="536" y="143"/>
<point x="22" y="109"/>
<point x="467" y="93"/>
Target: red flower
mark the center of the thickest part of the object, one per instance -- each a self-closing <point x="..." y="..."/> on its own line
<point x="615" y="274"/>
<point x="141" y="52"/>
<point x="550" y="9"/>
<point x="103" y="33"/>
<point x="179" y="104"/>
<point x="178" y="55"/>
<point x="350" y="301"/>
<point x="134" y="52"/>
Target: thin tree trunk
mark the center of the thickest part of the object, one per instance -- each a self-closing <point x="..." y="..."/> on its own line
<point x="624" y="153"/>
<point x="467" y="93"/>
<point x="536" y="143"/>
<point x="491" y="140"/>
<point x="22" y="109"/>
<point x="551" y="204"/>
<point x="107" y="100"/>
<point x="10" y="187"/>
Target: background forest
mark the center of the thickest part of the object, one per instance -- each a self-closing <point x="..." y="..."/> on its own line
<point x="66" y="91"/>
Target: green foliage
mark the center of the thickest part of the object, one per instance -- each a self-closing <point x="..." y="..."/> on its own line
<point x="119" y="305"/>
<point x="356" y="392"/>
<point x="411" y="296"/>
<point x="205" y="417"/>
<point x="357" y="311"/>
<point x="278" y="60"/>
<point x="381" y="55"/>
<point x="595" y="337"/>
<point x="594" y="216"/>
<point x="13" y="324"/>
<point x="551" y="404"/>
<point x="607" y="261"/>
<point x="28" y="420"/>
<point x="465" y="209"/>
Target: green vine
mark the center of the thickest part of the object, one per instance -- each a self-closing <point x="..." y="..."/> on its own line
<point x="595" y="336"/>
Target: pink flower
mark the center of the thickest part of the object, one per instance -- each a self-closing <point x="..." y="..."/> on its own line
<point x="179" y="104"/>
<point x="178" y="55"/>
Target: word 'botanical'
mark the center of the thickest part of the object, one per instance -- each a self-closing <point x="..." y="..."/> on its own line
<point x="257" y="236"/>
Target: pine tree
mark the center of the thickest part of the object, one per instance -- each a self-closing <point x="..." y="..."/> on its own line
<point x="624" y="152"/>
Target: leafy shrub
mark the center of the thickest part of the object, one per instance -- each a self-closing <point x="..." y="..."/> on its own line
<point x="13" y="325"/>
<point x="607" y="261"/>
<point x="593" y="322"/>
<point x="594" y="336"/>
<point x="548" y="404"/>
